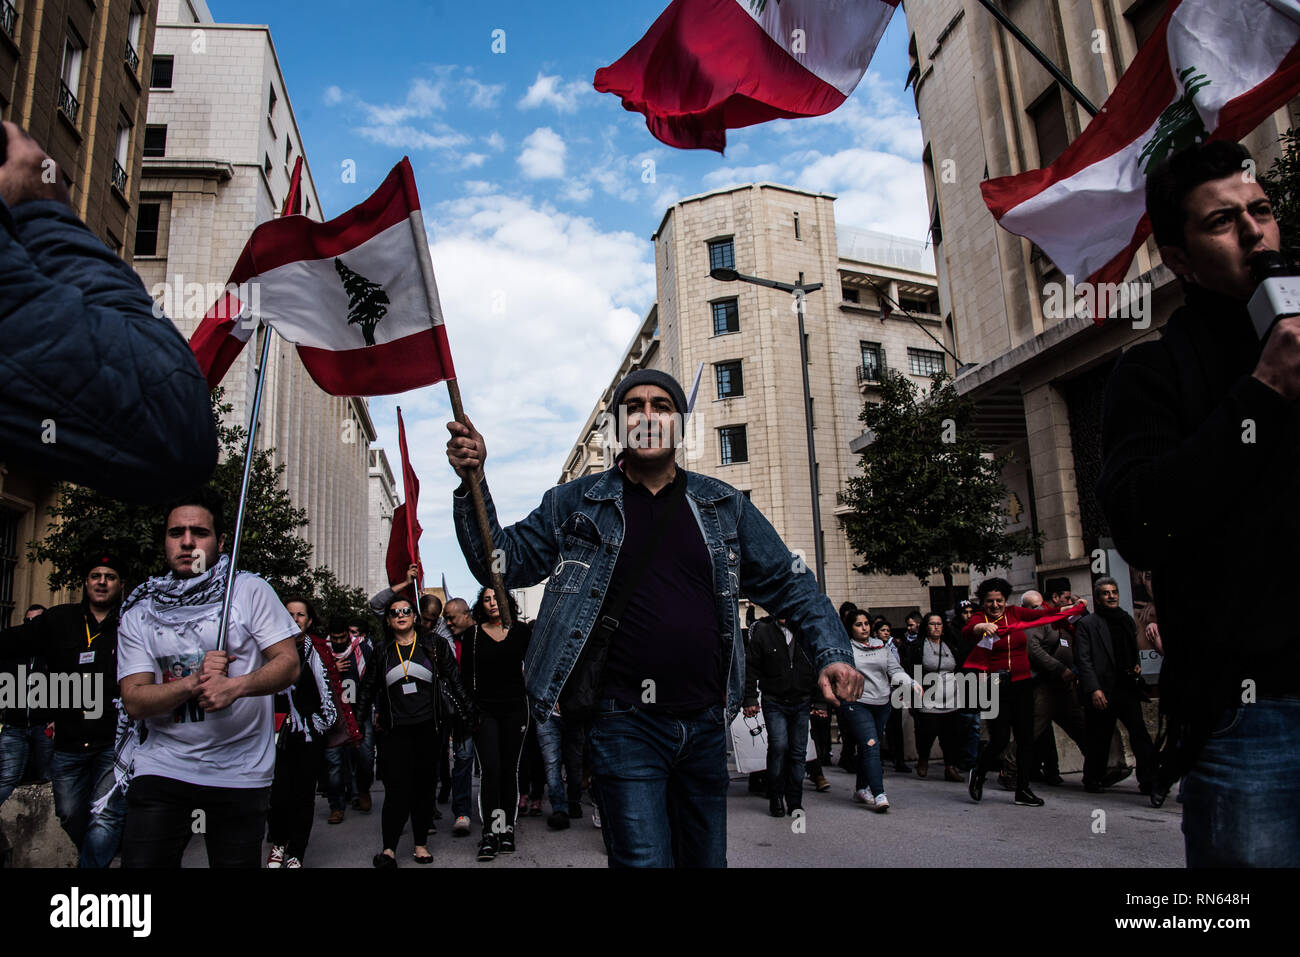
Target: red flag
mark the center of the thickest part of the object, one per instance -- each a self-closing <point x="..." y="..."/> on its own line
<point x="293" y="202"/>
<point x="400" y="553"/>
<point x="357" y="295"/>
<point x="404" y="539"/>
<point x="707" y="66"/>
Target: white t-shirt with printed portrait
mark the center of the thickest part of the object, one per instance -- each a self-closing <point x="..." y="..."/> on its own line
<point x="232" y="748"/>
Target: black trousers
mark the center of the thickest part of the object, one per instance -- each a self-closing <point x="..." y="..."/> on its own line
<point x="894" y="737"/>
<point x="950" y="729"/>
<point x="162" y="814"/>
<point x="499" y="742"/>
<point x="1098" y="726"/>
<point x="408" y="762"/>
<point x="532" y="766"/>
<point x="1015" y="712"/>
<point x="821" y="736"/>
<point x="293" y="794"/>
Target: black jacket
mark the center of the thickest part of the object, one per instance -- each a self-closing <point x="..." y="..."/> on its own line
<point x="1094" y="653"/>
<point x="911" y="654"/>
<point x="374" y="690"/>
<point x="1200" y="477"/>
<point x="768" y="663"/>
<point x="60" y="635"/>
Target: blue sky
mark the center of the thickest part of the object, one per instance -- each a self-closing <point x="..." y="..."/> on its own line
<point x="541" y="196"/>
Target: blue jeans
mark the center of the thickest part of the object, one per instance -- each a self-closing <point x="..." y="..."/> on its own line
<point x="971" y="748"/>
<point x="340" y="790"/>
<point x="868" y="723"/>
<point x="15" y="746"/>
<point x="78" y="779"/>
<point x="787" y="750"/>
<point x="462" y="779"/>
<point x="663" y="786"/>
<point x="1241" y="801"/>
<point x="562" y="751"/>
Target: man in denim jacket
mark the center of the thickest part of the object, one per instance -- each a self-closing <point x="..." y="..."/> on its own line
<point x="659" y="728"/>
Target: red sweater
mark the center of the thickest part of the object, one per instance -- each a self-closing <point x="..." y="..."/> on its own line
<point x="1010" y="652"/>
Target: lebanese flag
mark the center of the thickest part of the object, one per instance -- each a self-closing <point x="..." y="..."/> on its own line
<point x="707" y="66"/>
<point x="404" y="538"/>
<point x="1211" y="70"/>
<point x="357" y="295"/>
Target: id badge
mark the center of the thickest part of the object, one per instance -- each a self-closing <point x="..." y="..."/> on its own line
<point x="408" y="687"/>
<point x="1065" y="642"/>
<point x="86" y="658"/>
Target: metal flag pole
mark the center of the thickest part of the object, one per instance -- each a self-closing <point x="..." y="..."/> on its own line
<point x="1040" y="56"/>
<point x="243" y="488"/>
<point x="458" y="412"/>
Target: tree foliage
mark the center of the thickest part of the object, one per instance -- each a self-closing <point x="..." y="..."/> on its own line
<point x="1282" y="184"/>
<point x="83" y="520"/>
<point x="929" y="498"/>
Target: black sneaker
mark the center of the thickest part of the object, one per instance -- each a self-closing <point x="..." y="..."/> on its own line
<point x="1158" y="794"/>
<point x="1092" y="787"/>
<point x="1027" y="798"/>
<point x="506" y="842"/>
<point x="776" y="806"/>
<point x="975" y="784"/>
<point x="558" y="821"/>
<point x="1053" y="778"/>
<point x="487" y="848"/>
<point x="1115" y="776"/>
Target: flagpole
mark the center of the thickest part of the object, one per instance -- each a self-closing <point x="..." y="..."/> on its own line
<point x="243" y="488"/>
<point x="458" y="412"/>
<point x="1040" y="56"/>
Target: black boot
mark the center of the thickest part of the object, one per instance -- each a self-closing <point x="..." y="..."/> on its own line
<point x="776" y="806"/>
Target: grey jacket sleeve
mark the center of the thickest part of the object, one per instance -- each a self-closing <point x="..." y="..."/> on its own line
<point x="94" y="387"/>
<point x="1042" y="660"/>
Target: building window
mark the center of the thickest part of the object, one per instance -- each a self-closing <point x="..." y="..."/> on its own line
<point x="9" y="19"/>
<point x="873" y="362"/>
<point x="160" y="73"/>
<point x="924" y="362"/>
<point x="133" y="40"/>
<point x="731" y="439"/>
<point x="849" y="295"/>
<point x="722" y="254"/>
<point x="747" y="493"/>
<point x="121" y="157"/>
<point x="912" y="304"/>
<point x="1048" y="117"/>
<point x="270" y="106"/>
<point x="726" y="317"/>
<point x="266" y="166"/>
<point x="796" y="227"/>
<point x="1144" y="16"/>
<point x="70" y="77"/>
<point x="155" y="140"/>
<point x="8" y="563"/>
<point x="288" y="150"/>
<point x="146" y="229"/>
<point x="729" y="379"/>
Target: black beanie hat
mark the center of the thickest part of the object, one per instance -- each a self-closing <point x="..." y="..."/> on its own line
<point x="650" y="377"/>
<point x="1055" y="585"/>
<point x="106" y="557"/>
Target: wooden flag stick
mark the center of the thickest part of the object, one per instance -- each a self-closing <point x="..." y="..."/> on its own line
<point x="480" y="512"/>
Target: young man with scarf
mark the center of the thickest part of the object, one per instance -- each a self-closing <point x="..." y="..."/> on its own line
<point x="1200" y="439"/>
<point x="349" y="655"/>
<point x="80" y="639"/>
<point x="1106" y="654"/>
<point x="207" y="760"/>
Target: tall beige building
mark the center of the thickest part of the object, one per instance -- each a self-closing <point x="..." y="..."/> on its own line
<point x="220" y="147"/>
<point x="748" y="425"/>
<point x="988" y="109"/>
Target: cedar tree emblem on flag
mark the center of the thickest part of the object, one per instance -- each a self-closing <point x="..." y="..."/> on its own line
<point x="1180" y="125"/>
<point x="367" y="301"/>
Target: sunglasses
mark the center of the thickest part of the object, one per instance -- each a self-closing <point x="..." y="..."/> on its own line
<point x="400" y="613"/>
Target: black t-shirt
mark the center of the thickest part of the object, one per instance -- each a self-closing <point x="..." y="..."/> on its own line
<point x="493" y="671"/>
<point x="418" y="704"/>
<point x="668" y="634"/>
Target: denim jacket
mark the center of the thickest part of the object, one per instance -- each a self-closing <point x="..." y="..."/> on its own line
<point x="574" y="538"/>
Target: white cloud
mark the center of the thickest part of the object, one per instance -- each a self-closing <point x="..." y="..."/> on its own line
<point x="478" y="187"/>
<point x="874" y="190"/>
<point x="543" y="154"/>
<point x="483" y="96"/>
<point x="737" y="175"/>
<point x="410" y="124"/>
<point x="333" y="96"/>
<point x="408" y="137"/>
<point x="553" y="91"/>
<point x="472" y="160"/>
<point x="495" y="140"/>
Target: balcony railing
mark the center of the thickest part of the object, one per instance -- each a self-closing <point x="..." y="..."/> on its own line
<point x="68" y="104"/>
<point x="132" y="59"/>
<point x="9" y="19"/>
<point x="119" y="177"/>
<point x="872" y="374"/>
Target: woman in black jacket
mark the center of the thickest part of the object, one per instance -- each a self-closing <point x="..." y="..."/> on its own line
<point x="492" y="660"/>
<point x="403" y="683"/>
<point x="936" y="654"/>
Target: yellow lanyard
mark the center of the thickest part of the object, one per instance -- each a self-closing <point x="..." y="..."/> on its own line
<point x="405" y="663"/>
<point x="89" y="636"/>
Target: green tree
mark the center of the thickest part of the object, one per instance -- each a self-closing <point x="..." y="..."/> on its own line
<point x="1282" y="184"/>
<point x="84" y="520"/>
<point x="929" y="498"/>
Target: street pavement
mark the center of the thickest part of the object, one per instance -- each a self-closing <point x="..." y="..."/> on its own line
<point x="931" y="823"/>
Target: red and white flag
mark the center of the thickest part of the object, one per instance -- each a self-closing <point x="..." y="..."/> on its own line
<point x="356" y="294"/>
<point x="707" y="66"/>
<point x="1211" y="70"/>
<point x="404" y="537"/>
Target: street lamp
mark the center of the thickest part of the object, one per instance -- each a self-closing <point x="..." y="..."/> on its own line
<point x="799" y="290"/>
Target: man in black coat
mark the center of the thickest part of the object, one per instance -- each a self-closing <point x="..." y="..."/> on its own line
<point x="1106" y="654"/>
<point x="1201" y="474"/>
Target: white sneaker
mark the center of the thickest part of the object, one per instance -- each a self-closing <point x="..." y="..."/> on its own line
<point x="293" y="862"/>
<point x="864" y="797"/>
<point x="595" y="817"/>
<point x="882" y="802"/>
<point x="276" y="858"/>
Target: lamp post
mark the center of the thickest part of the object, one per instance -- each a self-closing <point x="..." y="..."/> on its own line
<point x="799" y="290"/>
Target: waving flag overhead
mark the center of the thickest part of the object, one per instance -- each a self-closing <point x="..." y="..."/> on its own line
<point x="404" y="537"/>
<point x="356" y="294"/>
<point x="707" y="66"/>
<point x="1211" y="70"/>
